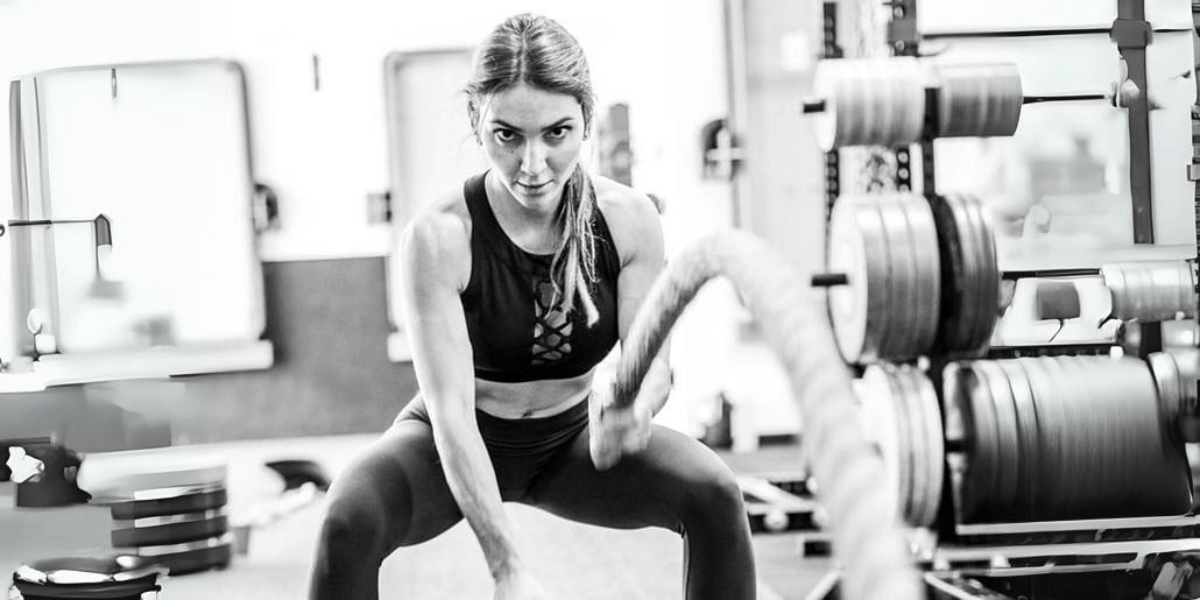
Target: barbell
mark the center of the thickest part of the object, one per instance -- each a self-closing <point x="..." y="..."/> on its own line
<point x="874" y="101"/>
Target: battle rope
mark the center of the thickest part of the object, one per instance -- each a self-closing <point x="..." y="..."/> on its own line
<point x="867" y="539"/>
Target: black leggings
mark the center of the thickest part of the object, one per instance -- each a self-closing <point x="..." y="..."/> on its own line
<point x="395" y="494"/>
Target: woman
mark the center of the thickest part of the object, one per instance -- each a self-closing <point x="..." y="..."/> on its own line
<point x="514" y="288"/>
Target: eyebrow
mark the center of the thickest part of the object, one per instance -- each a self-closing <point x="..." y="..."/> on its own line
<point x="553" y="125"/>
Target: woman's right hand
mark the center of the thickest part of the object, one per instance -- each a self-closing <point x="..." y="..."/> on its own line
<point x="520" y="585"/>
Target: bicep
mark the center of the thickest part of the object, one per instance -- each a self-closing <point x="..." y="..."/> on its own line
<point x="644" y="262"/>
<point x="436" y="326"/>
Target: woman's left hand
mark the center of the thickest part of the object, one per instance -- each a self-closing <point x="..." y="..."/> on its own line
<point x="616" y="432"/>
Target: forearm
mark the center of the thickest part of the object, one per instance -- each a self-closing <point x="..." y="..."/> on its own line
<point x="472" y="481"/>
<point x="656" y="387"/>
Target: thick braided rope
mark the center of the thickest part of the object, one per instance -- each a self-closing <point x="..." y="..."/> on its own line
<point x="867" y="539"/>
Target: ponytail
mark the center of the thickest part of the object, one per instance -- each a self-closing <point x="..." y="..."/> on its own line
<point x="573" y="268"/>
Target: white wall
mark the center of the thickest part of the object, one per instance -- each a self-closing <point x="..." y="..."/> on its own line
<point x="325" y="151"/>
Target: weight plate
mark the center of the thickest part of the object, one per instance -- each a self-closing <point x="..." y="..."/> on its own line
<point x="882" y="426"/>
<point x="186" y="528"/>
<point x="923" y="240"/>
<point x="825" y="87"/>
<point x="935" y="455"/>
<point x="1008" y="449"/>
<point x="1027" y="432"/>
<point x="190" y="557"/>
<point x="909" y="436"/>
<point x="970" y="393"/>
<point x="197" y="501"/>
<point x="905" y="435"/>
<point x="950" y="253"/>
<point x="898" y="337"/>
<point x="987" y="281"/>
<point x="926" y="445"/>
<point x="1167" y="384"/>
<point x="858" y="248"/>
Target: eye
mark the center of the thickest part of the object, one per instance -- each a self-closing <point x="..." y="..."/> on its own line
<point x="505" y="136"/>
<point x="558" y="133"/>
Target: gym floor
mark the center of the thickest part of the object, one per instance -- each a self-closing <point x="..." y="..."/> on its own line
<point x="573" y="560"/>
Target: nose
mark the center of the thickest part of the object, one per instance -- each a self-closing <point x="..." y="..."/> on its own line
<point x="533" y="162"/>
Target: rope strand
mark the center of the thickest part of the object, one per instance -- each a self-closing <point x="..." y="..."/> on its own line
<point x="867" y="538"/>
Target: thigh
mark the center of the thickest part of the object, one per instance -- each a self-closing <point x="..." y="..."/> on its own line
<point x="400" y="477"/>
<point x="665" y="485"/>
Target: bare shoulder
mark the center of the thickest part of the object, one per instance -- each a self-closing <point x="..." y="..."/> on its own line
<point x="437" y="241"/>
<point x="631" y="215"/>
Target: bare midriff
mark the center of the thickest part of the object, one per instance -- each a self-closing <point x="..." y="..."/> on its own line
<point x="531" y="399"/>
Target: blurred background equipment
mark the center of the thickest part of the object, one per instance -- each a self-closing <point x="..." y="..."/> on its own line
<point x="1048" y="456"/>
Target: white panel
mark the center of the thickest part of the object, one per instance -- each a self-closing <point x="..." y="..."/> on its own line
<point x="939" y="16"/>
<point x="432" y="145"/>
<point x="1169" y="14"/>
<point x="165" y="158"/>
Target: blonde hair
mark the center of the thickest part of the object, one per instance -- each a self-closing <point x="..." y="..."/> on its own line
<point x="539" y="52"/>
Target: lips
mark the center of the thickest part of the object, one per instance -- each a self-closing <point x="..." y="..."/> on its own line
<point x="534" y="187"/>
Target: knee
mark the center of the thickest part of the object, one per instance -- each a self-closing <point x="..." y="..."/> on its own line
<point x="717" y="496"/>
<point x="353" y="524"/>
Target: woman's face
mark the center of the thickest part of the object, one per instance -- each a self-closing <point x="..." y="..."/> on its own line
<point x="532" y="139"/>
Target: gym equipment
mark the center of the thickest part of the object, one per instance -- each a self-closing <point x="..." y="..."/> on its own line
<point x="169" y="510"/>
<point x="884" y="101"/>
<point x="1062" y="437"/>
<point x="868" y="101"/>
<point x="771" y="508"/>
<point x="1152" y="291"/>
<point x="110" y="577"/>
<point x="884" y="273"/>
<point x="918" y="275"/>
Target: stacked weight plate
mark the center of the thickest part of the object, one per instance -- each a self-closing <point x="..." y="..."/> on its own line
<point x="1175" y="374"/>
<point x="1151" y="291"/>
<point x="172" y="512"/>
<point x="901" y="416"/>
<point x="920" y="275"/>
<point x="109" y="577"/>
<point x="970" y="273"/>
<point x="1060" y="438"/>
<point x="881" y="102"/>
<point x="978" y="100"/>
<point x="869" y="102"/>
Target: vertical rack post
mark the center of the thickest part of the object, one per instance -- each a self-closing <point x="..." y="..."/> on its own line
<point x="1132" y="34"/>
<point x="903" y="41"/>
<point x="832" y="158"/>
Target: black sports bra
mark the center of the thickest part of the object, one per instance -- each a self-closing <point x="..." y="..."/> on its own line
<point x="515" y="335"/>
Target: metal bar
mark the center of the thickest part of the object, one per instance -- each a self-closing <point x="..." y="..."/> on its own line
<point x="836" y="279"/>
<point x="739" y="117"/>
<point x="1063" y="98"/>
<point x="955" y="587"/>
<point x="994" y="33"/>
<point x="1081" y="525"/>
<point x="931" y="132"/>
<point x="1131" y="33"/>
<point x="36" y="222"/>
<point x="1014" y="275"/>
<point x="831" y="49"/>
<point x="1138" y="548"/>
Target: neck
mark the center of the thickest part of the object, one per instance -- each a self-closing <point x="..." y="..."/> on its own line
<point x="503" y="202"/>
<point x="531" y="228"/>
